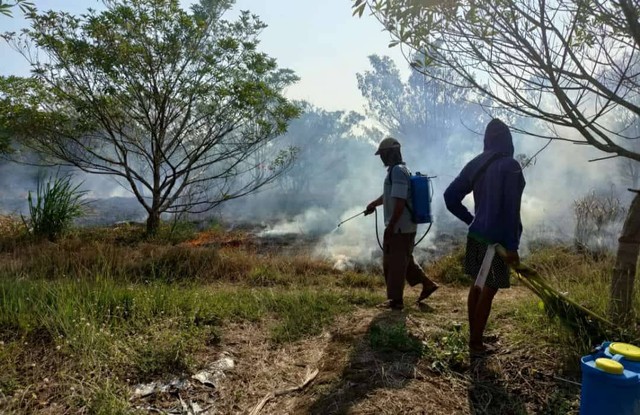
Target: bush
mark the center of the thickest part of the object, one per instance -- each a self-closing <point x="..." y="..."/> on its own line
<point x="599" y="217"/>
<point x="57" y="203"/>
<point x="176" y="232"/>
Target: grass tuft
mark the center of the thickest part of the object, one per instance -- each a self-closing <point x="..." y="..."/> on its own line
<point x="450" y="268"/>
<point x="56" y="203"/>
<point x="389" y="338"/>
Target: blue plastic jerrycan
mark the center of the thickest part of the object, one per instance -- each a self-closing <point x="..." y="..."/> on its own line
<point x="608" y="387"/>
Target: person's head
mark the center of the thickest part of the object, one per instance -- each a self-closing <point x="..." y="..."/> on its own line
<point x="497" y="138"/>
<point x="389" y="152"/>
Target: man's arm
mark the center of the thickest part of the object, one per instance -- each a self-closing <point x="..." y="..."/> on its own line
<point x="457" y="190"/>
<point x="513" y="188"/>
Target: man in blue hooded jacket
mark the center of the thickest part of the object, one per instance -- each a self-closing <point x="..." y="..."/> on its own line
<point x="497" y="183"/>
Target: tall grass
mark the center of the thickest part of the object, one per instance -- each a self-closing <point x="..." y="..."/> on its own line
<point x="579" y="276"/>
<point x="84" y="309"/>
<point x="141" y="332"/>
<point x="56" y="203"/>
<point x="449" y="269"/>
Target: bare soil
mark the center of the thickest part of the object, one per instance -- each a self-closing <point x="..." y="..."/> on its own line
<point x="354" y="378"/>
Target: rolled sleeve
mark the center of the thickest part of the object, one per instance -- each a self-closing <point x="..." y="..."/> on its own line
<point x="399" y="184"/>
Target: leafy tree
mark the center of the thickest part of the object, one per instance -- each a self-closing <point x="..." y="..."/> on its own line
<point x="24" y="5"/>
<point x="6" y="9"/>
<point x="322" y="140"/>
<point x="180" y="106"/>
<point x="420" y="109"/>
<point x="569" y="63"/>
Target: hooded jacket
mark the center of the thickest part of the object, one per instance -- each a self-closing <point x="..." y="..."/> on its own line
<point x="497" y="192"/>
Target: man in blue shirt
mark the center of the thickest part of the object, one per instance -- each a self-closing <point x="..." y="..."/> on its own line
<point x="497" y="183"/>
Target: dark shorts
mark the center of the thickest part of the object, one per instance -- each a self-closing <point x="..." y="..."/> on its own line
<point x="498" y="274"/>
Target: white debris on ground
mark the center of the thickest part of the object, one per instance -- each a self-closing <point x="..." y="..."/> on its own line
<point x="216" y="372"/>
<point x="144" y="390"/>
<point x="210" y="377"/>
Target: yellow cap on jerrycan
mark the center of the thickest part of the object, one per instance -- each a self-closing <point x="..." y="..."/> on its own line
<point x="628" y="351"/>
<point x="609" y="366"/>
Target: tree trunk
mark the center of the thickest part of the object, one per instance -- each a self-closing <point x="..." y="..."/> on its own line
<point x="153" y="222"/>
<point x="624" y="273"/>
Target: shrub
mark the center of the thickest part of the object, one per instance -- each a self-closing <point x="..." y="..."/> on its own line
<point x="55" y="205"/>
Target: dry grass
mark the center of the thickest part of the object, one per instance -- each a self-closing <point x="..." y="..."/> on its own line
<point x="450" y="268"/>
<point x="84" y="319"/>
<point x="580" y="276"/>
<point x="9" y="225"/>
<point x="119" y="257"/>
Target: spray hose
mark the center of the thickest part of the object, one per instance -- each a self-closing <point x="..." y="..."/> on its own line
<point x="375" y="211"/>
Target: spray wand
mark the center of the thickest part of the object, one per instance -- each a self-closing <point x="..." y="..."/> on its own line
<point x="364" y="212"/>
<point x="352" y="217"/>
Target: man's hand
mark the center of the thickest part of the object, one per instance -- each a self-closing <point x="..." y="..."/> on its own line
<point x="512" y="258"/>
<point x="371" y="207"/>
<point x="388" y="232"/>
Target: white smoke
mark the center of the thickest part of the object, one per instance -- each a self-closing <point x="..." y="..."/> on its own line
<point x="560" y="175"/>
<point x="338" y="178"/>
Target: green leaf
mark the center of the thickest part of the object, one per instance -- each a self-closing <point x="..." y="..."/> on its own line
<point x="359" y="9"/>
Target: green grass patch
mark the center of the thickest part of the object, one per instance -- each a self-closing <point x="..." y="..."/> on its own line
<point x="165" y="352"/>
<point x="394" y="337"/>
<point x="79" y="308"/>
<point x="447" y="348"/>
<point x="265" y="276"/>
<point x="358" y="280"/>
<point x="141" y="332"/>
<point x="9" y="376"/>
<point x="103" y="319"/>
<point x="305" y="314"/>
<point x="102" y="397"/>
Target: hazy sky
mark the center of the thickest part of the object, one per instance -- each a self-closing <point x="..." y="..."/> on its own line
<point x="321" y="41"/>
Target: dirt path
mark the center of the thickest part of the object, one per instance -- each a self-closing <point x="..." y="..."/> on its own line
<point x="356" y="377"/>
<point x="368" y="363"/>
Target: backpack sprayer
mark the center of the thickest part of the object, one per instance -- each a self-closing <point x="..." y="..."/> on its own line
<point x="421" y="197"/>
